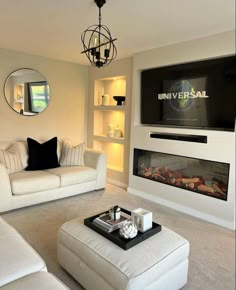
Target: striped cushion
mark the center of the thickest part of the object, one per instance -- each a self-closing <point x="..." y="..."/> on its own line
<point x="72" y="155"/>
<point x="11" y="159"/>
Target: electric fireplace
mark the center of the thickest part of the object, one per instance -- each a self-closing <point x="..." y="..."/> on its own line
<point x="201" y="176"/>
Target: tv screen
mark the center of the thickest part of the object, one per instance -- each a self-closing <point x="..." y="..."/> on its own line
<point x="198" y="95"/>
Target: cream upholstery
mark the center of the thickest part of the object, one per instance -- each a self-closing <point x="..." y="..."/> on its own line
<point x="18" y="259"/>
<point x="37" y="281"/>
<point x="21" y="268"/>
<point x="26" y="188"/>
<point x="33" y="181"/>
<point x="73" y="174"/>
<point x="160" y="262"/>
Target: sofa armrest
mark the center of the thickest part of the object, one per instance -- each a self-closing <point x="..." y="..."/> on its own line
<point x="97" y="160"/>
<point x="18" y="258"/>
<point x="5" y="189"/>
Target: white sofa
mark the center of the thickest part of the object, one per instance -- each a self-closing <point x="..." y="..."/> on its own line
<point x="26" y="188"/>
<point x="20" y="265"/>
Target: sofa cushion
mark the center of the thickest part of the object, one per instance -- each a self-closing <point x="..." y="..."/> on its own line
<point x="33" y="181"/>
<point x="18" y="258"/>
<point x="36" y="281"/>
<point x="70" y="175"/>
<point x="23" y="152"/>
<point x="11" y="159"/>
<point x="72" y="155"/>
<point x="42" y="156"/>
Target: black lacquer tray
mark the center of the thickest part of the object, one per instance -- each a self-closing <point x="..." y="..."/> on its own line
<point x="116" y="238"/>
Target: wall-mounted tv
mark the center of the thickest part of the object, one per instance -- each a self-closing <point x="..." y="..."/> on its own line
<point x="200" y="94"/>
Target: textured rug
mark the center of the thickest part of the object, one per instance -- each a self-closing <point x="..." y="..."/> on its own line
<point x="212" y="248"/>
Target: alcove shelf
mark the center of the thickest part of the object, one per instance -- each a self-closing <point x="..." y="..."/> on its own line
<point x="105" y="138"/>
<point x="104" y="113"/>
<point x="109" y="108"/>
<point x="108" y="117"/>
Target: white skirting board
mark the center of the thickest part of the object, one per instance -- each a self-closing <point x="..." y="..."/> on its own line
<point x="184" y="209"/>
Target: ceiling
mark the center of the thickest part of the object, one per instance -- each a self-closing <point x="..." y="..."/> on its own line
<point x="52" y="28"/>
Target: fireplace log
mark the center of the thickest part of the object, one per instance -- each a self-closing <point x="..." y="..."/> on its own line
<point x="170" y="174"/>
<point x="190" y="180"/>
<point x="158" y="174"/>
<point x="147" y="173"/>
<point x="205" y="188"/>
<point x="173" y="180"/>
<point x="217" y="189"/>
<point x="191" y="185"/>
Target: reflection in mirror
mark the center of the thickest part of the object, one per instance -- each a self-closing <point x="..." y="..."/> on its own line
<point x="27" y="92"/>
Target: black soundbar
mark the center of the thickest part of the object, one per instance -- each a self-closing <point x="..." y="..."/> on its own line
<point x="179" y="137"/>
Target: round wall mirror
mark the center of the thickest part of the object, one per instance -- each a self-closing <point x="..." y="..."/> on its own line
<point x="27" y="92"/>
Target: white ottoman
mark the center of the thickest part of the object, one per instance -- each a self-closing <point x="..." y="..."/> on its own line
<point x="160" y="262"/>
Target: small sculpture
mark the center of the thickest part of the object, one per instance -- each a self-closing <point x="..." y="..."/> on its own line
<point x="128" y="230"/>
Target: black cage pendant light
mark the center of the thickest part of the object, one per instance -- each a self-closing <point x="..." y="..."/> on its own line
<point x="98" y="43"/>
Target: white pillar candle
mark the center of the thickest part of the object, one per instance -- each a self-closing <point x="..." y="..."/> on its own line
<point x="106" y="100"/>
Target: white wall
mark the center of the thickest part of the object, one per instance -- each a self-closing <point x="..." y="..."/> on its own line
<point x="66" y="113"/>
<point x="220" y="146"/>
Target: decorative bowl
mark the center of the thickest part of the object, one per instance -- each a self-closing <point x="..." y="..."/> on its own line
<point x="119" y="100"/>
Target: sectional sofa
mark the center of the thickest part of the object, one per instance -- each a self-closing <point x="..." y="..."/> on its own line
<point x="21" y="267"/>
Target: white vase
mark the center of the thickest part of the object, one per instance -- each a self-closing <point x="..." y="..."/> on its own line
<point x="117" y="132"/>
<point x="110" y="132"/>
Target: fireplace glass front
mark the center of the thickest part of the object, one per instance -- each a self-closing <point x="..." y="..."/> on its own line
<point x="201" y="176"/>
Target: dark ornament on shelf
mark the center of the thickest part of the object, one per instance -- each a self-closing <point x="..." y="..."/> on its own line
<point x="119" y="100"/>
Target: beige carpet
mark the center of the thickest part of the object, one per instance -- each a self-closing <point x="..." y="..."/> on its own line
<point x="212" y="248"/>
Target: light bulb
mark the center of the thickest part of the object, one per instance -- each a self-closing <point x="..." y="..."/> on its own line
<point x="105" y="43"/>
<point x="95" y="40"/>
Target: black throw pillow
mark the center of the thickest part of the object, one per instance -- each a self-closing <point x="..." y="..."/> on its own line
<point x="42" y="156"/>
